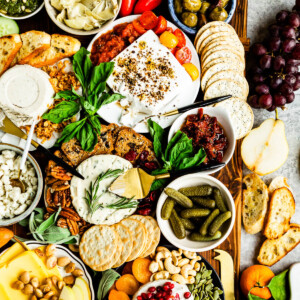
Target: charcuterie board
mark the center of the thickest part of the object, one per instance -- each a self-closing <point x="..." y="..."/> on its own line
<point x="230" y="176"/>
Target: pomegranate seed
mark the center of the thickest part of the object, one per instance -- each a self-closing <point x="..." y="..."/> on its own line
<point x="177" y="297"/>
<point x="151" y="165"/>
<point x="187" y="295"/>
<point x="164" y="294"/>
<point x="144" y="212"/>
<point x="172" y="286"/>
<point x="169" y="292"/>
<point x="151" y="289"/>
<point x="159" y="289"/>
<point x="149" y="295"/>
<point x="139" y="298"/>
<point x="161" y="299"/>
<point x="152" y="196"/>
<point x="144" y="296"/>
<point x="159" y="294"/>
<point x="166" y="287"/>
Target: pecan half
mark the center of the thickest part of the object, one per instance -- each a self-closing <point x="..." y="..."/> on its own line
<point x="50" y="180"/>
<point x="70" y="213"/>
<point x="60" y="173"/>
<point x="49" y="198"/>
<point x="84" y="228"/>
<point x="73" y="227"/>
<point x="50" y="210"/>
<point x="62" y="222"/>
<point x="60" y="185"/>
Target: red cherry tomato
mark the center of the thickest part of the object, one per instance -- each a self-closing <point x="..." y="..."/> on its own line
<point x="148" y="20"/>
<point x="138" y="27"/>
<point x="127" y="7"/>
<point x="170" y="29"/>
<point x="181" y="38"/>
<point x="161" y="25"/>
<point x="183" y="55"/>
<point x="174" y="50"/>
<point x="144" y="5"/>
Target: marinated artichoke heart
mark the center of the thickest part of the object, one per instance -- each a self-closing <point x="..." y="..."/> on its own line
<point x="192" y="5"/>
<point x="218" y="14"/>
<point x="178" y="7"/>
<point x="204" y="7"/>
<point x="189" y="19"/>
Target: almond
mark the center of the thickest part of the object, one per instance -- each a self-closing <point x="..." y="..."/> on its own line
<point x="70" y="267"/>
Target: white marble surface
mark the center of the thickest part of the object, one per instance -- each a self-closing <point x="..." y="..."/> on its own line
<point x="261" y="13"/>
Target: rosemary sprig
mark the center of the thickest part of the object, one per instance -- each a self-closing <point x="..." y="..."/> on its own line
<point x="123" y="203"/>
<point x="91" y="197"/>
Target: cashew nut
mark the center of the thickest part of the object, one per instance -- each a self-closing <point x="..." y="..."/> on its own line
<point x="161" y="275"/>
<point x="197" y="267"/>
<point x="183" y="261"/>
<point x="161" y="255"/>
<point x="194" y="261"/>
<point x="190" y="280"/>
<point x="175" y="260"/>
<point x="192" y="273"/>
<point x="179" y="279"/>
<point x="185" y="270"/>
<point x="152" y="277"/>
<point x="177" y="253"/>
<point x="162" y="249"/>
<point x="170" y="267"/>
<point x="190" y="254"/>
<point x="153" y="267"/>
<point x="160" y="266"/>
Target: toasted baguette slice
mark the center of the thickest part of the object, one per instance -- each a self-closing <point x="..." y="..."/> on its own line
<point x="255" y="203"/>
<point x="9" y="45"/>
<point x="272" y="251"/>
<point x="277" y="183"/>
<point x="34" y="43"/>
<point x="62" y="46"/>
<point x="281" y="210"/>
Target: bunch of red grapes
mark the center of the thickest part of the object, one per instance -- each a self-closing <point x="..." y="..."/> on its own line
<point x="275" y="76"/>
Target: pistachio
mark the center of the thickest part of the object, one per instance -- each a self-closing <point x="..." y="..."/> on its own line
<point x="50" y="250"/>
<point x="35" y="282"/>
<point x="70" y="267"/>
<point x="51" y="262"/>
<point x="25" y="277"/>
<point x="18" y="285"/>
<point x="39" y="293"/>
<point x="77" y="273"/>
<point x="69" y="279"/>
<point x="28" y="289"/>
<point x="63" y="261"/>
<point x="61" y="284"/>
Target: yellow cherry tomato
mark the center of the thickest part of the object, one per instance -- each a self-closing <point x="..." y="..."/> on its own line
<point x="191" y="70"/>
<point x="168" y="39"/>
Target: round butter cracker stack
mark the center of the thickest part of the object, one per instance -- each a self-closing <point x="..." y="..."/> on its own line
<point x="230" y="60"/>
<point x="222" y="54"/>
<point x="149" y="231"/>
<point x="241" y="116"/>
<point x="138" y="232"/>
<point x="156" y="238"/>
<point x="115" y="257"/>
<point x="224" y="41"/>
<point x="127" y="242"/>
<point x="98" y="245"/>
<point x="207" y="52"/>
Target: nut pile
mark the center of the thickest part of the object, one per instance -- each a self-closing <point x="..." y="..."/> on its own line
<point x="180" y="266"/>
<point x="58" y="195"/>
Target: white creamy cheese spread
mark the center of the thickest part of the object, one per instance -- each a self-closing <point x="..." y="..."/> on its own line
<point x="179" y="289"/>
<point x="149" y="75"/>
<point x="90" y="170"/>
<point x="26" y="93"/>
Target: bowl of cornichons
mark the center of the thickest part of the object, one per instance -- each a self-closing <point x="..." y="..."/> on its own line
<point x="196" y="212"/>
<point x="191" y="15"/>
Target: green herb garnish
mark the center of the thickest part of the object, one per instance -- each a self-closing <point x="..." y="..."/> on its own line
<point x="106" y="282"/>
<point x="123" y="203"/>
<point x="93" y="82"/>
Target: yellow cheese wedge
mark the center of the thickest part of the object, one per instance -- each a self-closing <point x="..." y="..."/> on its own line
<point x="53" y="271"/>
<point x="3" y="293"/>
<point x="11" y="253"/>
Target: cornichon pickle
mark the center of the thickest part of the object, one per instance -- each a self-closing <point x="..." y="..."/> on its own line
<point x="200" y="238"/>
<point x="218" y="222"/>
<point x="188" y="224"/>
<point x="219" y="200"/>
<point x="194" y="213"/>
<point x="167" y="208"/>
<point x="177" y="225"/>
<point x="208" y="221"/>
<point x="209" y="203"/>
<point x="202" y="190"/>
<point x="179" y="198"/>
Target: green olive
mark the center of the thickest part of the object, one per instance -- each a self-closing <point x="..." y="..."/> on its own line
<point x="192" y="5"/>
<point x="204" y="7"/>
<point x="189" y="19"/>
<point x="223" y="3"/>
<point x="178" y="6"/>
<point x="218" y="14"/>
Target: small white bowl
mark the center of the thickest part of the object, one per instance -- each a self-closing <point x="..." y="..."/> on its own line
<point x="26" y="16"/>
<point x="35" y="201"/>
<point x="223" y="118"/>
<point x="52" y="13"/>
<point x="186" y="244"/>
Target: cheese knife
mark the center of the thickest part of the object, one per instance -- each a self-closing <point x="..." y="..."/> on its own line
<point x="11" y="128"/>
<point x="227" y="273"/>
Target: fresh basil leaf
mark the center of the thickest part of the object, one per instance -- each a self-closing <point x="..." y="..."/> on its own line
<point x="95" y="121"/>
<point x="48" y="223"/>
<point x="158" y="184"/>
<point x="63" y="111"/>
<point x="89" y="108"/>
<point x="87" y="137"/>
<point x="106" y="282"/>
<point x="172" y="143"/>
<point x="99" y="77"/>
<point x="111" y="98"/>
<point x="70" y="131"/>
<point x="192" y="161"/>
<point x="279" y="286"/>
<point x="67" y="95"/>
<point x="79" y="66"/>
<point x="253" y="297"/>
<point x="157" y="134"/>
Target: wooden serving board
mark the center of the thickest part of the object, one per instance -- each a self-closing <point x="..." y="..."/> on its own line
<point x="231" y="175"/>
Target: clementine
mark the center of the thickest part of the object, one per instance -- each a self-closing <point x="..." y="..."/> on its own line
<point x="255" y="277"/>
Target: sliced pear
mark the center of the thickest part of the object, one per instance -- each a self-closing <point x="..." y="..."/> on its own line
<point x="67" y="294"/>
<point x="84" y="288"/>
<point x="265" y="149"/>
<point x="78" y="292"/>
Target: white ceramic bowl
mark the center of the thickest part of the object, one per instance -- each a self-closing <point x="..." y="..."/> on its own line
<point x="26" y="16"/>
<point x="186" y="244"/>
<point x="28" y="211"/>
<point x="223" y="118"/>
<point x="52" y="13"/>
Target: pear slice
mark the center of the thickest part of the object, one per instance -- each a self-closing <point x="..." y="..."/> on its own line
<point x="78" y="292"/>
<point x="265" y="149"/>
<point x="67" y="294"/>
<point x="84" y="288"/>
